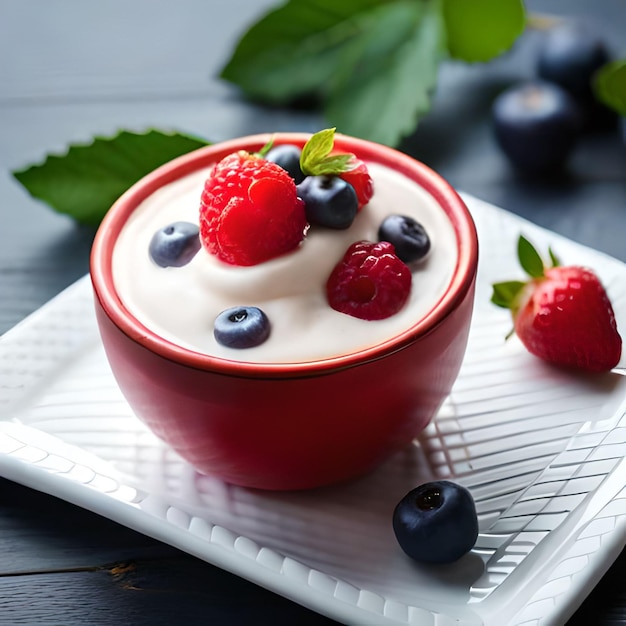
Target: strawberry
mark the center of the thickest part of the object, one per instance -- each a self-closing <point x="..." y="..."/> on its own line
<point x="562" y="314"/>
<point x="358" y="176"/>
<point x="250" y="211"/>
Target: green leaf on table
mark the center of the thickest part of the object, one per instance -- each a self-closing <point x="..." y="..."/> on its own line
<point x="372" y="62"/>
<point x="89" y="178"/>
<point x="392" y="83"/>
<point x="479" y="30"/>
<point x="610" y="85"/>
<point x="299" y="48"/>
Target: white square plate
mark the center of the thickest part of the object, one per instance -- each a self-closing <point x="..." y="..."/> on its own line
<point x="541" y="450"/>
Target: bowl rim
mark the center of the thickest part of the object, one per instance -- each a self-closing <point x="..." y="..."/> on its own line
<point x="102" y="250"/>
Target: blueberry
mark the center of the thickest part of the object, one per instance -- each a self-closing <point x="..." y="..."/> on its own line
<point x="408" y="237"/>
<point x="175" y="245"/>
<point x="241" y="327"/>
<point x="537" y="125"/>
<point x="329" y="201"/>
<point x="436" y="522"/>
<point x="288" y="157"/>
<point x="570" y="56"/>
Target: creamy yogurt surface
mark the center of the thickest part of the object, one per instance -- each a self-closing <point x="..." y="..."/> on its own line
<point x="181" y="303"/>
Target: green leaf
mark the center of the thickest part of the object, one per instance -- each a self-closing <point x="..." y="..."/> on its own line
<point x="529" y="258"/>
<point x="300" y="47"/>
<point x="505" y="294"/>
<point x="316" y="158"/>
<point x="553" y="258"/>
<point x="330" y="166"/>
<point x="317" y="148"/>
<point x="610" y="85"/>
<point x="391" y="85"/>
<point x="479" y="30"/>
<point x="89" y="178"/>
<point x="373" y="63"/>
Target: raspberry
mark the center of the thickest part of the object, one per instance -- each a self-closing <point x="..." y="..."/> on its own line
<point x="360" y="179"/>
<point x="370" y="282"/>
<point x="250" y="211"/>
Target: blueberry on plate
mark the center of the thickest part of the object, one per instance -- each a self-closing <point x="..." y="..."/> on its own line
<point x="407" y="235"/>
<point x="288" y="157"/>
<point x="536" y="125"/>
<point x="436" y="522"/>
<point x="329" y="201"/>
<point x="241" y="327"/>
<point x="175" y="245"/>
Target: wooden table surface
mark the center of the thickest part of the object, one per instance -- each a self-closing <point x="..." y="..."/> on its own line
<point x="70" y="70"/>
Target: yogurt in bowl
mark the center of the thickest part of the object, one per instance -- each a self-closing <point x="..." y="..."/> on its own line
<point x="326" y="396"/>
<point x="180" y="303"/>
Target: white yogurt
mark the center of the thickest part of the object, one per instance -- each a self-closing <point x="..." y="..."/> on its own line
<point x="180" y="304"/>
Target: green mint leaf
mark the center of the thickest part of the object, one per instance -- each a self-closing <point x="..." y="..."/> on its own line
<point x="610" y="85"/>
<point x="529" y="258"/>
<point x="318" y="147"/>
<point x="316" y="158"/>
<point x="330" y="166"/>
<point x="372" y="63"/>
<point x="391" y="84"/>
<point x="86" y="181"/>
<point x="479" y="30"/>
<point x="505" y="294"/>
<point x="299" y="47"/>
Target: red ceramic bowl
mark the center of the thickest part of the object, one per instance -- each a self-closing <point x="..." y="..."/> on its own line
<point x="299" y="425"/>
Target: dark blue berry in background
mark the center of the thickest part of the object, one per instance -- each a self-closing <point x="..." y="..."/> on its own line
<point x="241" y="327"/>
<point x="536" y="124"/>
<point x="570" y="56"/>
<point x="436" y="522"/>
<point x="288" y="157"/>
<point x="329" y="201"/>
<point x="175" y="245"/>
<point x="407" y="235"/>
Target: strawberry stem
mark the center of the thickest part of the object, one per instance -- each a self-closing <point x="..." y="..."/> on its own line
<point x="553" y="258"/>
<point x="505" y="294"/>
<point x="266" y="148"/>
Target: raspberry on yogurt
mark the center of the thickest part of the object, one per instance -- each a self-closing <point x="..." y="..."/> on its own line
<point x="370" y="282"/>
<point x="250" y="211"/>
